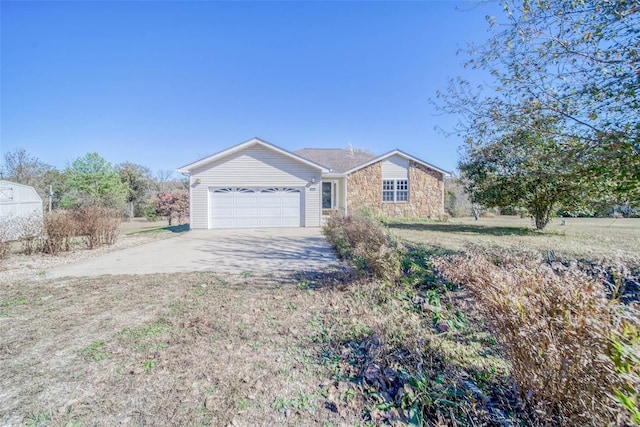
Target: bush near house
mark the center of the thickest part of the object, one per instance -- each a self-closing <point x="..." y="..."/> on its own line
<point x="58" y="230"/>
<point x="173" y="205"/>
<point x="366" y="242"/>
<point x="25" y="229"/>
<point x="555" y="325"/>
<point x="98" y="225"/>
<point x="60" y="227"/>
<point x="6" y="230"/>
<point x="572" y="351"/>
<point x="30" y="227"/>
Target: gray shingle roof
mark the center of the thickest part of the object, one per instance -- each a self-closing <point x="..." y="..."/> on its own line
<point x="337" y="159"/>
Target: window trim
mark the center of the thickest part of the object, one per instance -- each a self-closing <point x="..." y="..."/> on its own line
<point x="394" y="190"/>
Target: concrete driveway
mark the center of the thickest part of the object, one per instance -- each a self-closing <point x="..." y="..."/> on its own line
<point x="230" y="251"/>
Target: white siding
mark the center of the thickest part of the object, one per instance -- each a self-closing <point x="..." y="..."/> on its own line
<point x="395" y="167"/>
<point x="313" y="205"/>
<point x="18" y="201"/>
<point x="255" y="167"/>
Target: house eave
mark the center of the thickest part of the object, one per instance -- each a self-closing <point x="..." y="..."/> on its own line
<point x="186" y="169"/>
<point x="333" y="175"/>
<point x="402" y="154"/>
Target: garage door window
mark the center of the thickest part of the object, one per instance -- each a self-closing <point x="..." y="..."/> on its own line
<point x="280" y="190"/>
<point x="231" y="190"/>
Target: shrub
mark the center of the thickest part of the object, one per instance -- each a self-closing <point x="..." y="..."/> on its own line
<point x="335" y="234"/>
<point x="7" y="232"/>
<point x="59" y="227"/>
<point x="150" y="213"/>
<point x="554" y="326"/>
<point x="173" y="205"/>
<point x="31" y="230"/>
<point x="365" y="241"/>
<point x="98" y="225"/>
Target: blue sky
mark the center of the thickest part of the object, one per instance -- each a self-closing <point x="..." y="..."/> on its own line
<point x="165" y="83"/>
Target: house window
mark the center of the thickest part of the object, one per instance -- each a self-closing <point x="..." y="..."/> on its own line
<point x="388" y="190"/>
<point x="395" y="190"/>
<point x="402" y="190"/>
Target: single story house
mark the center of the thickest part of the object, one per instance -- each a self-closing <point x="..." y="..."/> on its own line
<point x="258" y="184"/>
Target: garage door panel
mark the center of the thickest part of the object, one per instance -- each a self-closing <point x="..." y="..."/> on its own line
<point x="222" y="210"/>
<point x="270" y="201"/>
<point x="245" y="211"/>
<point x="272" y="207"/>
<point x="246" y="222"/>
<point x="290" y="212"/>
<point x="274" y="211"/>
<point x="247" y="200"/>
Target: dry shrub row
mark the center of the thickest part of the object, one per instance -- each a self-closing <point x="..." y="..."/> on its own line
<point x="98" y="225"/>
<point x="56" y="232"/>
<point x="365" y="241"/>
<point x="5" y="237"/>
<point x="60" y="229"/>
<point x="555" y="326"/>
<point x="30" y="229"/>
<point x="26" y="229"/>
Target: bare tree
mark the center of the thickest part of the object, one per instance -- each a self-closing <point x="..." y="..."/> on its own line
<point x="23" y="168"/>
<point x="163" y="177"/>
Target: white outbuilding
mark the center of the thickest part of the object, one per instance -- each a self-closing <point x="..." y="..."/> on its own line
<point x="18" y="201"/>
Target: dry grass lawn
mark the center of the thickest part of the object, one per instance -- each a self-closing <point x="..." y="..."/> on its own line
<point x="184" y="349"/>
<point x="581" y="238"/>
<point x="206" y="349"/>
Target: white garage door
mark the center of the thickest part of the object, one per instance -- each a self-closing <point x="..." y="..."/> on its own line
<point x="245" y="207"/>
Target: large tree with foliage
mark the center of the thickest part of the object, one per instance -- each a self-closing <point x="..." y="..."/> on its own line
<point x="139" y="182"/>
<point x="531" y="168"/>
<point x="91" y="180"/>
<point x="575" y="61"/>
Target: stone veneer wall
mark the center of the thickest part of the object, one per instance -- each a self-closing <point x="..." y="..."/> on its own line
<point x="364" y="190"/>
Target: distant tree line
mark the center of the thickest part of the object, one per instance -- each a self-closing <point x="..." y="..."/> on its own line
<point x="132" y="189"/>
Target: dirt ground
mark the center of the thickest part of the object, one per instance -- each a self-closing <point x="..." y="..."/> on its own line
<point x="182" y="349"/>
<point x="20" y="266"/>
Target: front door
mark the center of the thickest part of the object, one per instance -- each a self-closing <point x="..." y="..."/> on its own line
<point x="327" y="195"/>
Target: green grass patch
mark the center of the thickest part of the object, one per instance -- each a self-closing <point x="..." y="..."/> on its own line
<point x="6" y="305"/>
<point x="156" y="328"/>
<point x="182" y="228"/>
<point x="94" y="351"/>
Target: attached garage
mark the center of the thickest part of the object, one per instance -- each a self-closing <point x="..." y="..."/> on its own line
<point x="254" y="184"/>
<point x="245" y="207"/>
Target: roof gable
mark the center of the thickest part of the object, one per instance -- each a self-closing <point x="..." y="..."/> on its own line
<point x="399" y="153"/>
<point x="242" y="146"/>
